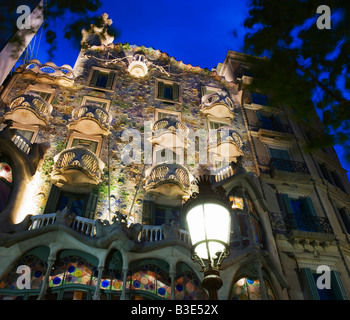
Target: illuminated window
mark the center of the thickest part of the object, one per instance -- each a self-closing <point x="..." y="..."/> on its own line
<point x="151" y="279"/>
<point x="248" y="288"/>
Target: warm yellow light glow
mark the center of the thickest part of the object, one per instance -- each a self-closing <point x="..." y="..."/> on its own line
<point x="28" y="201"/>
<point x="209" y="221"/>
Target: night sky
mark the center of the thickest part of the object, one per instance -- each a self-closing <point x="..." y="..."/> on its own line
<point x="196" y="32"/>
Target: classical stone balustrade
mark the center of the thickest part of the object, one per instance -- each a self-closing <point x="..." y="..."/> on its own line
<point x="169" y="180"/>
<point x="217" y="104"/>
<point x="77" y="166"/>
<point x="29" y="108"/>
<point x="90" y="119"/>
<point x="138" y="66"/>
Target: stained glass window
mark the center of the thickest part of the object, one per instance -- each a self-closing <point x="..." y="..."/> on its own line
<point x="249" y="289"/>
<point x="152" y="279"/>
<point x="237" y="202"/>
<point x="111" y="280"/>
<point x="37" y="273"/>
<point x="6" y="171"/>
<point x="72" y="270"/>
<point x="187" y="287"/>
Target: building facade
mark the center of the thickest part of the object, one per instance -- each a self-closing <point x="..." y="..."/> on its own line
<point x="97" y="160"/>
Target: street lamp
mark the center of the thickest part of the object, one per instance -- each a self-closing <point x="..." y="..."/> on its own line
<point x="208" y="217"/>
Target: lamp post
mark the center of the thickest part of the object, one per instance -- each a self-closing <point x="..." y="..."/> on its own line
<point x="208" y="217"/>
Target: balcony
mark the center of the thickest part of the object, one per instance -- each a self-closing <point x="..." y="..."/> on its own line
<point x="49" y="73"/>
<point x="88" y="228"/>
<point x="138" y="66"/>
<point x="217" y="104"/>
<point x="169" y="180"/>
<point x="90" y="119"/>
<point x="309" y="230"/>
<point x="224" y="144"/>
<point x="169" y="133"/>
<point x="288" y="169"/>
<point x="77" y="166"/>
<point x="271" y="129"/>
<point x="29" y="109"/>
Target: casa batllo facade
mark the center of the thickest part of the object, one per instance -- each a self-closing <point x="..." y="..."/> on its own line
<point x="97" y="160"/>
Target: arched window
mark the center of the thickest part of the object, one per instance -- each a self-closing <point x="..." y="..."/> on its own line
<point x="6" y="181"/>
<point x="248" y="288"/>
<point x="149" y="278"/>
<point x="73" y="270"/>
<point x="187" y="284"/>
<point x="26" y="276"/>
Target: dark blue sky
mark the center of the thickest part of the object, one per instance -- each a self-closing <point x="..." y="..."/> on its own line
<point x="196" y="32"/>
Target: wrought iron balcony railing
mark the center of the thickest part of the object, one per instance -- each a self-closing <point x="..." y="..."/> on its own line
<point x="307" y="223"/>
<point x="272" y="126"/>
<point x="288" y="166"/>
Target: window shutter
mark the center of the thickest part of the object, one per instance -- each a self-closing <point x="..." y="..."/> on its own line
<point x="110" y="80"/>
<point x="52" y="200"/>
<point x="94" y="77"/>
<point x="91" y="204"/>
<point x="160" y="89"/>
<point x="148" y="211"/>
<point x="258" y="114"/>
<point x="337" y="286"/>
<point x="286" y="203"/>
<point x="308" y="205"/>
<point x="203" y="90"/>
<point x="309" y="279"/>
<point x="176" y="92"/>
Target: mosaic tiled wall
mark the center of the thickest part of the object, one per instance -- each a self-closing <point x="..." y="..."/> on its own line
<point x="132" y="103"/>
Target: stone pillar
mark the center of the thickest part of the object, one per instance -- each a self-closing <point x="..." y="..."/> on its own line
<point x="98" y="284"/>
<point x="263" y="291"/>
<point x="43" y="290"/>
<point x="123" y="295"/>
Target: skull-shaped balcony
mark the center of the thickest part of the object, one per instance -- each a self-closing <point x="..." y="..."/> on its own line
<point x="138" y="66"/>
<point x="217" y="104"/>
<point x="169" y="133"/>
<point x="30" y="109"/>
<point x="224" y="145"/>
<point x="169" y="180"/>
<point x="77" y="166"/>
<point x="90" y="119"/>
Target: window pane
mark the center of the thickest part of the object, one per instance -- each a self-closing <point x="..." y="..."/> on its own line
<point x="26" y="134"/>
<point x="102" y="80"/>
<point x="168" y="91"/>
<point x="88" y="144"/>
<point x="160" y="216"/>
